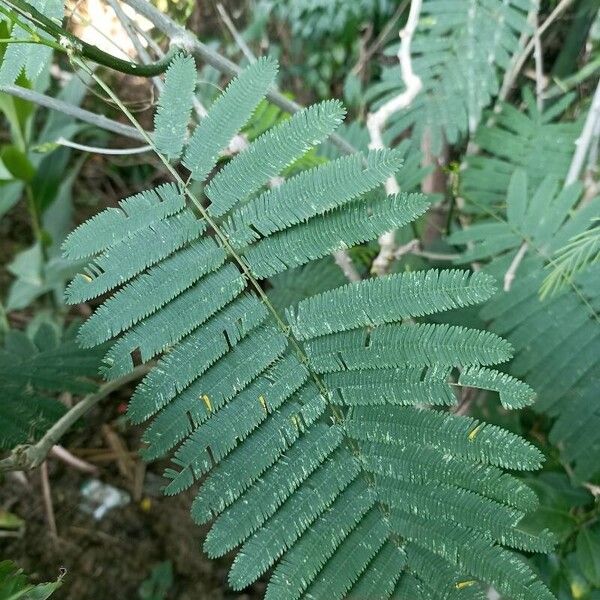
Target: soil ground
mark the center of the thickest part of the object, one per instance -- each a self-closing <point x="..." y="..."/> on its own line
<point x="108" y="559"/>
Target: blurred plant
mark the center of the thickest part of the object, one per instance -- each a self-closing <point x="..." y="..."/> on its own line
<point x="14" y="584"/>
<point x="159" y="582"/>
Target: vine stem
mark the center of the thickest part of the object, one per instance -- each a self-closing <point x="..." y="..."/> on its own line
<point x="28" y="457"/>
<point x="71" y="44"/>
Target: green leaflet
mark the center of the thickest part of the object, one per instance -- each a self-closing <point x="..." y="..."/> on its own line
<point x="461" y="547"/>
<point x="558" y="363"/>
<point x="276" y="149"/>
<point x="175" y="106"/>
<point x="416" y="345"/>
<point x="310" y="193"/>
<point x="34" y="368"/>
<point x="227" y="116"/>
<point x="513" y="393"/>
<point x="341" y="228"/>
<point x="115" y="225"/>
<point x="387" y="299"/>
<point x="463" y="436"/>
<point x="29" y="58"/>
<point x="537" y="142"/>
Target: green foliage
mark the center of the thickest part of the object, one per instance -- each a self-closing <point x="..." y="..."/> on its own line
<point x="175" y="106"/>
<point x="28" y="58"/>
<point x="309" y="452"/>
<point x="527" y="139"/>
<point x="158" y="584"/>
<point x="33" y="369"/>
<point x="316" y="19"/>
<point x="555" y="339"/>
<point x="459" y="51"/>
<point x="14" y="584"/>
<point x="581" y="251"/>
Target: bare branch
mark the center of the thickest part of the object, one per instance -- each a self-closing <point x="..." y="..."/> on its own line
<point x="517" y="65"/>
<point x="71" y="110"/>
<point x="539" y="65"/>
<point x="376" y="122"/>
<point x="239" y="40"/>
<point x="510" y="274"/>
<point x="30" y="456"/>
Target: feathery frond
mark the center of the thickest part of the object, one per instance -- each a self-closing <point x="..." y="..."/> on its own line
<point x="555" y="338"/>
<point x="29" y="59"/>
<point x="296" y="450"/>
<point x="518" y="139"/>
<point x="459" y="50"/>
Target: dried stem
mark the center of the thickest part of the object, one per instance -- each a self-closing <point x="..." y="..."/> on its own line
<point x="47" y="496"/>
<point x="517" y="65"/>
<point x="71" y="110"/>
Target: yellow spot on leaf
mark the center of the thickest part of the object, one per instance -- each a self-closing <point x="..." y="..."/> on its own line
<point x="86" y="278"/>
<point x="474" y="432"/>
<point x="578" y="590"/>
<point x="263" y="402"/>
<point x="296" y="421"/>
<point x="208" y="403"/>
<point x="461" y="585"/>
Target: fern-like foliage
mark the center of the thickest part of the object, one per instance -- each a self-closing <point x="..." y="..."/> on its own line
<point x="316" y="19"/>
<point x="459" y="50"/>
<point x="29" y="59"/>
<point x="309" y="434"/>
<point x="557" y="339"/>
<point x="581" y="251"/>
<point x="526" y="139"/>
<point x="33" y="369"/>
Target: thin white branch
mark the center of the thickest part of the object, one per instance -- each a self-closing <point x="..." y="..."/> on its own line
<point x="539" y="64"/>
<point x="585" y="139"/>
<point x="510" y="274"/>
<point x="344" y="262"/>
<point x="376" y="122"/>
<point x="98" y="150"/>
<point x="517" y="65"/>
<point x="238" y="39"/>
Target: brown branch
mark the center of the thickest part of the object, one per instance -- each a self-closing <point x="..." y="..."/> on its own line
<point x="26" y="457"/>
